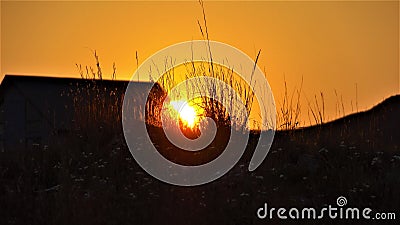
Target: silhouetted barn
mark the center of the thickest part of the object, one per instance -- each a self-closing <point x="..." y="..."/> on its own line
<point x="33" y="108"/>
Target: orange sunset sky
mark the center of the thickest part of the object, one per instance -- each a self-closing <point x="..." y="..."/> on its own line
<point x="332" y="45"/>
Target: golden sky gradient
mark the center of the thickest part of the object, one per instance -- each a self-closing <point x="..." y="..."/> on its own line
<point x="332" y="45"/>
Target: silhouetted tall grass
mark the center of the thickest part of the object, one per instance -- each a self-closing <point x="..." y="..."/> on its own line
<point x="96" y="102"/>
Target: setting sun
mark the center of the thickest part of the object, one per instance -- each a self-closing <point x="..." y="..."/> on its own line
<point x="186" y="112"/>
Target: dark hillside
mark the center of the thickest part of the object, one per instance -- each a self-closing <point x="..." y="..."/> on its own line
<point x="371" y="129"/>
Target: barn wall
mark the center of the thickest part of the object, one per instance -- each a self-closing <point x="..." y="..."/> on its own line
<point x="32" y="111"/>
<point x="35" y="108"/>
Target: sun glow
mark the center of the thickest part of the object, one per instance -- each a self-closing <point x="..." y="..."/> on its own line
<point x="187" y="113"/>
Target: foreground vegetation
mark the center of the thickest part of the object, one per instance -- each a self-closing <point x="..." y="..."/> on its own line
<point x="81" y="180"/>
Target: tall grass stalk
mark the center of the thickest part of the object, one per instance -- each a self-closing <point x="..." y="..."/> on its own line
<point x="290" y="109"/>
